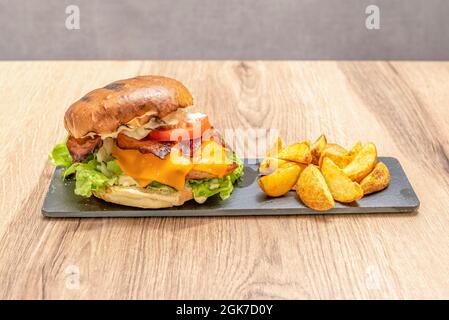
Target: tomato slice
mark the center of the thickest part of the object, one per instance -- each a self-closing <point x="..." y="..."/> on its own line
<point x="192" y="128"/>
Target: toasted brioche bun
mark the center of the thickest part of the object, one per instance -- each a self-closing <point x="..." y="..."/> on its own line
<point x="144" y="198"/>
<point x="130" y="102"/>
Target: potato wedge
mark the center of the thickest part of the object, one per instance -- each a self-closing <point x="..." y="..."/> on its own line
<point x="317" y="148"/>
<point x="363" y="163"/>
<point x="336" y="148"/>
<point x="338" y="155"/>
<point x="274" y="150"/>
<point x="307" y="142"/>
<point x="269" y="165"/>
<point x="301" y="165"/>
<point x="287" y="164"/>
<point x="281" y="181"/>
<point x="342" y="188"/>
<point x="340" y="159"/>
<point x="298" y="152"/>
<point x="377" y="180"/>
<point x="355" y="149"/>
<point x="313" y="190"/>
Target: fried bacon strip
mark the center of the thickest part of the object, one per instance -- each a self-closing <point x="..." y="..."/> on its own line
<point x="79" y="149"/>
<point x="159" y="149"/>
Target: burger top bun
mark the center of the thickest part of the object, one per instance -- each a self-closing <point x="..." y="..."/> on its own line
<point x="130" y="102"/>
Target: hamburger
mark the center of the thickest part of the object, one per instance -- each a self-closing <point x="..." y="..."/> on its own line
<point x="138" y="142"/>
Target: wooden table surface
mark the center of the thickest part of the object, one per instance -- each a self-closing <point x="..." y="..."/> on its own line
<point x="402" y="106"/>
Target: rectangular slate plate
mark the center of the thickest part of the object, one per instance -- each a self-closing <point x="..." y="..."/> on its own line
<point x="247" y="199"/>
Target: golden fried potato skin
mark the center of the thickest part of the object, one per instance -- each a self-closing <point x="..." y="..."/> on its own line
<point x="317" y="148"/>
<point x="275" y="148"/>
<point x="377" y="180"/>
<point x="297" y="152"/>
<point x="341" y="160"/>
<point x="287" y="164"/>
<point x="308" y="143"/>
<point x="301" y="166"/>
<point x="363" y="163"/>
<point x="313" y="190"/>
<point x="342" y="188"/>
<point x="270" y="163"/>
<point x="355" y="149"/>
<point x="281" y="181"/>
<point x="336" y="148"/>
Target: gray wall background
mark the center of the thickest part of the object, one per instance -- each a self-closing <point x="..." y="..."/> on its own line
<point x="224" y="29"/>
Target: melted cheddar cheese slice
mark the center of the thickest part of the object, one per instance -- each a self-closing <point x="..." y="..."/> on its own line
<point x="145" y="168"/>
<point x="172" y="171"/>
<point x="212" y="159"/>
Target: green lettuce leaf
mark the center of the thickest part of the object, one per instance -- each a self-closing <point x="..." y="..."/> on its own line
<point x="238" y="172"/>
<point x="88" y="178"/>
<point x="113" y="167"/>
<point x="87" y="173"/>
<point x="60" y="155"/>
<point x="223" y="186"/>
<point x="160" y="186"/>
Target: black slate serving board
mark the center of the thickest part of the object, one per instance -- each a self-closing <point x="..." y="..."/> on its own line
<point x="247" y="199"/>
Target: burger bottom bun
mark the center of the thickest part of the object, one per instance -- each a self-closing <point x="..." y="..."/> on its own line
<point x="144" y="198"/>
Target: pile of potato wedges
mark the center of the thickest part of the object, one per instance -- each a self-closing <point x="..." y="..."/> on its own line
<point x="322" y="172"/>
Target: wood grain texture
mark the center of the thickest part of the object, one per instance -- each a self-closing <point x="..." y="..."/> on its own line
<point x="401" y="106"/>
